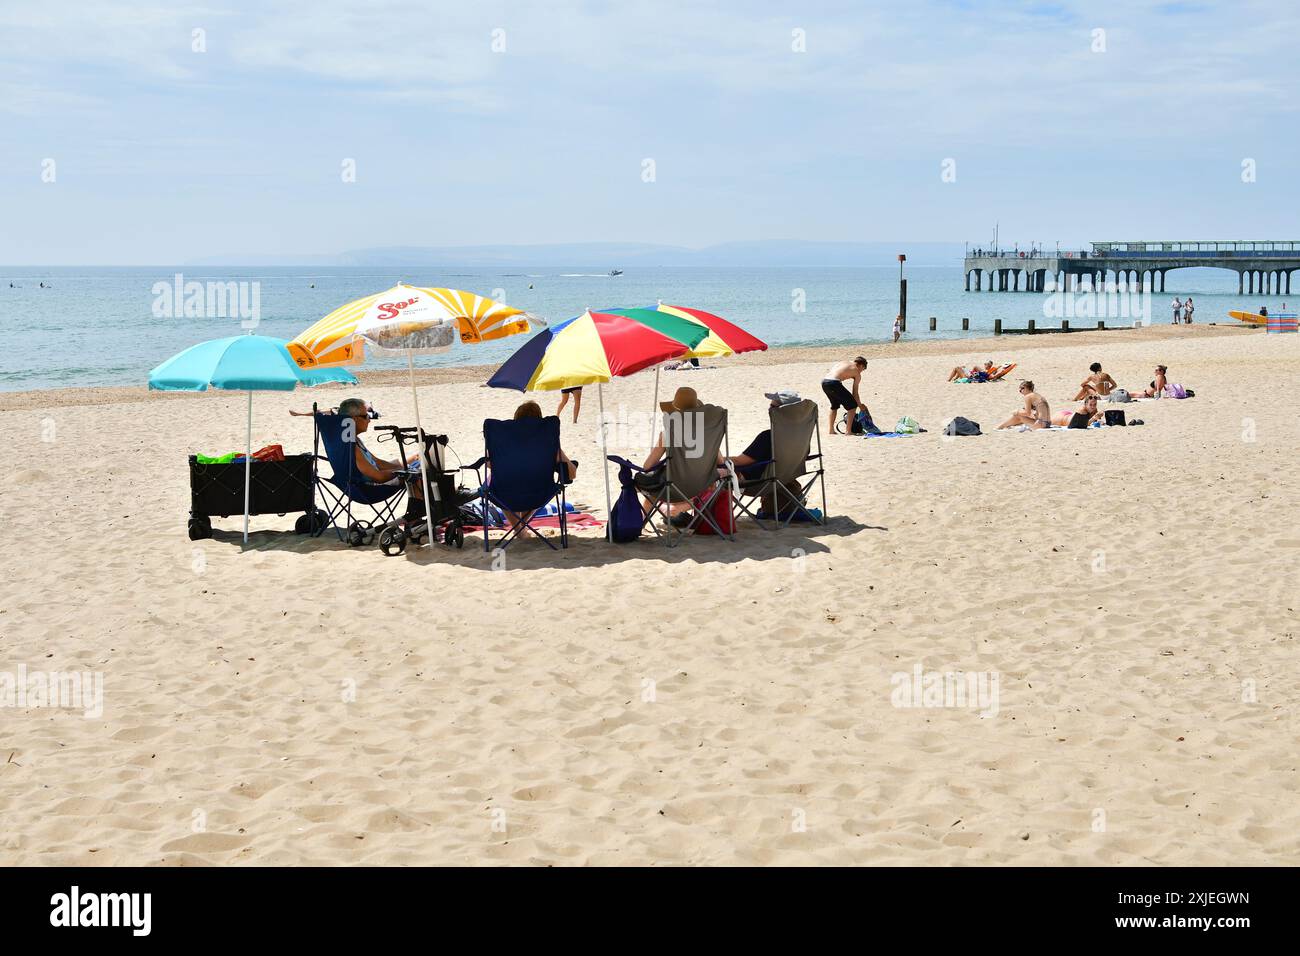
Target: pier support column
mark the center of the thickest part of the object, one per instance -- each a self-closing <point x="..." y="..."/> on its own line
<point x="979" y="278"/>
<point x="1288" y="281"/>
<point x="1015" y="280"/>
<point x="1241" y="278"/>
<point x="1250" y="286"/>
<point x="1163" y="273"/>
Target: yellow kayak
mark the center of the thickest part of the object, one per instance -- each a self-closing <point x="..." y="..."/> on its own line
<point x="1250" y="317"/>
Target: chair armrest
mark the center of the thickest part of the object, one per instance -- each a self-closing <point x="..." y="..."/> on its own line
<point x="618" y="460"/>
<point x="476" y="466"/>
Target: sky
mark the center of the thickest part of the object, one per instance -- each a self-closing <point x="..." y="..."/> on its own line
<point x="154" y="133"/>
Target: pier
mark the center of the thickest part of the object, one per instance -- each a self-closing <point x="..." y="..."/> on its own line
<point x="1263" y="266"/>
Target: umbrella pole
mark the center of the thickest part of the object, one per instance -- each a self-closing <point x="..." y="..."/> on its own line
<point x="424" y="459"/>
<point x="654" y="412"/>
<point x="248" y="463"/>
<point x="604" y="464"/>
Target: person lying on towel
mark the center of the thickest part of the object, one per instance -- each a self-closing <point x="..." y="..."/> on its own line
<point x="988" y="368"/>
<point x="1088" y="408"/>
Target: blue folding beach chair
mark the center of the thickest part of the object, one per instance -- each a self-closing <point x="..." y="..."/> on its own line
<point x="348" y="486"/>
<point x="524" y="474"/>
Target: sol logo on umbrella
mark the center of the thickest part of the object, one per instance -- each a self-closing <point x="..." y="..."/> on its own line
<point x="410" y="319"/>
<point x="390" y="310"/>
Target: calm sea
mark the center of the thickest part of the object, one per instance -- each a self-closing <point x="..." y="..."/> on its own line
<point x="96" y="326"/>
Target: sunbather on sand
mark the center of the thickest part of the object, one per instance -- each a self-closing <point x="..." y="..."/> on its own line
<point x="1089" y="408"/>
<point x="1035" y="414"/>
<point x="988" y="368"/>
<point x="1098" y="383"/>
<point x="1157" y="387"/>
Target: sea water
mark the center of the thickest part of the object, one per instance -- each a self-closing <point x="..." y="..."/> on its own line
<point x="107" y="326"/>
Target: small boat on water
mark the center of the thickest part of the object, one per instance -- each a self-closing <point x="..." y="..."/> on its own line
<point x="616" y="272"/>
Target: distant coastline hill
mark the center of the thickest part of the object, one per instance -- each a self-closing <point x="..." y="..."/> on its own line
<point x="622" y="255"/>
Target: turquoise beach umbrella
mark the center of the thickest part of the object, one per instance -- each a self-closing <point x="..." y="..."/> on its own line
<point x="241" y="363"/>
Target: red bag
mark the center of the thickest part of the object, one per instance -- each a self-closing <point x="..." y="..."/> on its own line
<point x="269" y="453"/>
<point x="722" y="514"/>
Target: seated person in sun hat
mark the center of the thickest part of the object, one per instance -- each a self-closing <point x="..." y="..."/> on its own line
<point x="650" y="482"/>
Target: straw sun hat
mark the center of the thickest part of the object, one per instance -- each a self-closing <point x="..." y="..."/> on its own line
<point x="684" y="399"/>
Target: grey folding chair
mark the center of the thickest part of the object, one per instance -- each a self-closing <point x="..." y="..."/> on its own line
<point x="792" y="471"/>
<point x="692" y="441"/>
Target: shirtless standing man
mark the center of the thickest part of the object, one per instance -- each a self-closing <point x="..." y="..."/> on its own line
<point x="838" y="394"/>
<point x="1035" y="414"/>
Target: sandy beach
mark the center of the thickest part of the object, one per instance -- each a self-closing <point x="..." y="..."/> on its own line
<point x="1130" y="592"/>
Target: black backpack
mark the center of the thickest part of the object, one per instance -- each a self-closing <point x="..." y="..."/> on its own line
<point x="1115" y="416"/>
<point x="962" y="426"/>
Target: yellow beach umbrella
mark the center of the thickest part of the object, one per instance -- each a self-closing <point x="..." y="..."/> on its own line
<point x="411" y="319"/>
<point x="405" y="318"/>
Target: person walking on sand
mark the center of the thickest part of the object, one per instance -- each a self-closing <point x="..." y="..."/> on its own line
<point x="898" y="327"/>
<point x="1178" y="311"/>
<point x="576" y="392"/>
<point x="1035" y="414"/>
<point x="838" y="393"/>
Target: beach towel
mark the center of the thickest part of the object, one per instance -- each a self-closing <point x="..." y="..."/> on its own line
<point x="889" y="435"/>
<point x="580" y="520"/>
<point x="863" y="425"/>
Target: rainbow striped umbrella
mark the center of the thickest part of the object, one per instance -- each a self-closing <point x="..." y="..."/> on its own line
<point x="596" y="347"/>
<point x="724" y="338"/>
